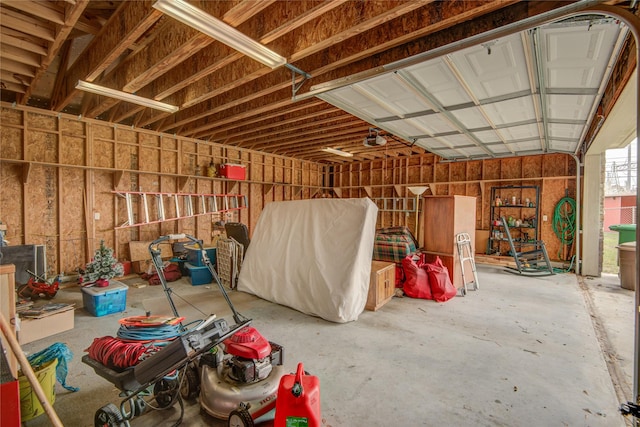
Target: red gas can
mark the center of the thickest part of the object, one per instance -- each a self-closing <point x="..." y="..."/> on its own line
<point x="298" y="403"/>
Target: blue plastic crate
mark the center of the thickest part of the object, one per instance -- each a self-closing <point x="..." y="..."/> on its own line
<point x="107" y="300"/>
<point x="198" y="275"/>
<point x="194" y="256"/>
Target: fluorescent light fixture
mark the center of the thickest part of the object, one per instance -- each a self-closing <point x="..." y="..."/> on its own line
<point x="337" y="152"/>
<point x="215" y="28"/>
<point x="125" y="96"/>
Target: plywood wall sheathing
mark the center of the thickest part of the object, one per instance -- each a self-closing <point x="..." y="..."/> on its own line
<point x="552" y="173"/>
<point x="75" y="164"/>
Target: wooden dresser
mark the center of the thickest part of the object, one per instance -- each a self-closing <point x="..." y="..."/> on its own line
<point x="445" y="217"/>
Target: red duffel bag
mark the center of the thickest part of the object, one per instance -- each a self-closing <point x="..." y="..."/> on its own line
<point x="416" y="283"/>
<point x="441" y="287"/>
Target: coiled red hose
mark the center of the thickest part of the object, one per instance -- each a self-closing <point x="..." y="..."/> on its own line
<point x="118" y="354"/>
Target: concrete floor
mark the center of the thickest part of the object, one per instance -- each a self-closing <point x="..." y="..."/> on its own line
<point x="520" y="351"/>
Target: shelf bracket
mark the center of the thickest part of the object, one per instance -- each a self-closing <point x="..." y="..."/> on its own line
<point x="26" y="171"/>
<point x="117" y="178"/>
<point x="294" y="72"/>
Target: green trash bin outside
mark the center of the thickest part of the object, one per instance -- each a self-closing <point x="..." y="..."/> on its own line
<point x="627" y="258"/>
<point x="626" y="232"/>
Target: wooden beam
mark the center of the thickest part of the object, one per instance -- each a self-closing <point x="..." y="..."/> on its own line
<point x="19" y="55"/>
<point x="128" y="23"/>
<point x="17" y="68"/>
<point x="72" y="14"/>
<point x="26" y="24"/>
<point x="171" y="84"/>
<point x="201" y="131"/>
<point x="21" y="42"/>
<point x="355" y="129"/>
<point x="14" y="87"/>
<point x="64" y="54"/>
<point x="318" y="62"/>
<point x="273" y="128"/>
<point x="177" y="46"/>
<point x="306" y="125"/>
<point x="46" y="11"/>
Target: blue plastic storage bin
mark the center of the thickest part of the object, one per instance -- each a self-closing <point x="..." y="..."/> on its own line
<point x="194" y="256"/>
<point x="198" y="275"/>
<point x="107" y="300"/>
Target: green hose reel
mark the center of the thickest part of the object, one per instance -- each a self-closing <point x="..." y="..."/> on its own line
<point x="564" y="223"/>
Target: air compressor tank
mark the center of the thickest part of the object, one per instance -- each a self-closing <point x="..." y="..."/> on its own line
<point x="298" y="403"/>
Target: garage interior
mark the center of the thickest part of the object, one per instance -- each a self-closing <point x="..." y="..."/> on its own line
<point x="125" y="121"/>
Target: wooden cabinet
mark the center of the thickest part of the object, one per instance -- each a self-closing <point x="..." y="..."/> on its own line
<point x="443" y="218"/>
<point x="382" y="284"/>
<point x="8" y="309"/>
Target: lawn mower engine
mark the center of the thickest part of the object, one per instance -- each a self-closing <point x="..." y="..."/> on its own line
<point x="246" y="367"/>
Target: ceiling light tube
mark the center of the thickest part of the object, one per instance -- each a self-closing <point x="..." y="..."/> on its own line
<point x="217" y="29"/>
<point x="337" y="152"/>
<point x="125" y="96"/>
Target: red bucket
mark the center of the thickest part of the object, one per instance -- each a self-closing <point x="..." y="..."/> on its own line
<point x="298" y="402"/>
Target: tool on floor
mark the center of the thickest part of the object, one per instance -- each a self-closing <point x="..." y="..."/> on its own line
<point x="37" y="287"/>
<point x="225" y="364"/>
<point x="465" y="253"/>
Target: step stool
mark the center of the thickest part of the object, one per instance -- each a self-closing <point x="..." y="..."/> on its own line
<point x="465" y="253"/>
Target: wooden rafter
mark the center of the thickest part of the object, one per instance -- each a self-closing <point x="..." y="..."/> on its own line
<point x="72" y="14"/>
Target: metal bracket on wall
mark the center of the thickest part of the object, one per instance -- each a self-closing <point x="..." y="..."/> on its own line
<point x="174" y="206"/>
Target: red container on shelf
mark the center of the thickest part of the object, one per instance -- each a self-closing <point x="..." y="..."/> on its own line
<point x="298" y="401"/>
<point x="233" y="171"/>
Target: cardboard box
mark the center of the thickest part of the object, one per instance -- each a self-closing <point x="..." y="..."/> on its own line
<point x="233" y="171"/>
<point x="108" y="300"/>
<point x="140" y="267"/>
<point x="482" y="237"/>
<point x="35" y="329"/>
<point x="139" y="250"/>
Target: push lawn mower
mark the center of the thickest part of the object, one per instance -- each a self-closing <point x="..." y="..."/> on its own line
<point x="225" y="365"/>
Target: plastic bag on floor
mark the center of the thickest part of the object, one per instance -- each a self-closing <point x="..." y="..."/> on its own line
<point x="55" y="351"/>
<point x="416" y="284"/>
<point x="441" y="287"/>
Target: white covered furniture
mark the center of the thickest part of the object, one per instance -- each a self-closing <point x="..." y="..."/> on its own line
<point x="313" y="256"/>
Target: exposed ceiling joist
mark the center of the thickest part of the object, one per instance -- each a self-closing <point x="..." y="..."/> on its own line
<point x="129" y="46"/>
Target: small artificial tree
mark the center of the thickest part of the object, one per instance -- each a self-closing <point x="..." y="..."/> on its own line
<point x="103" y="266"/>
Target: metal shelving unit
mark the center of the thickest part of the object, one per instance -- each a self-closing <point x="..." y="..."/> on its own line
<point x="522" y="203"/>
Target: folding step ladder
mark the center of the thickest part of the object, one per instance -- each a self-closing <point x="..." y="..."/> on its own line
<point x="465" y="253"/>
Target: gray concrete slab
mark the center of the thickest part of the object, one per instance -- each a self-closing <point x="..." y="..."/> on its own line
<point x="520" y="351"/>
